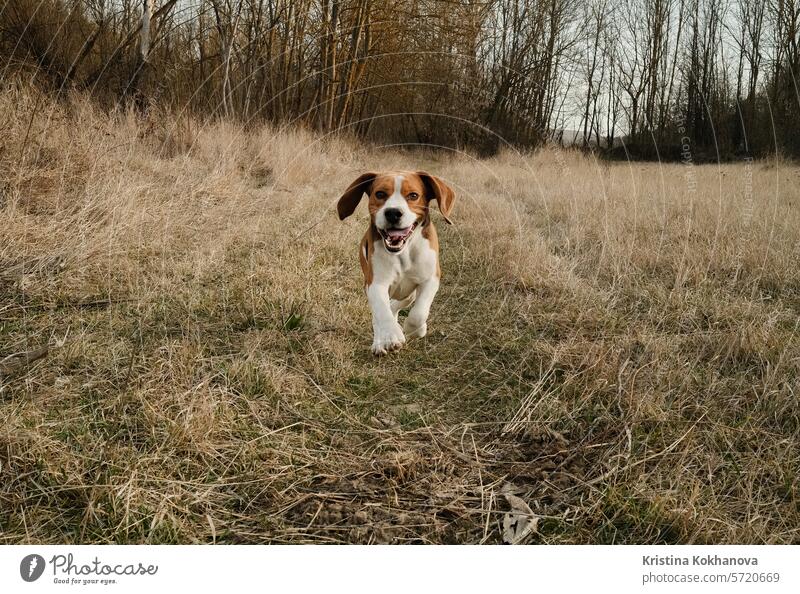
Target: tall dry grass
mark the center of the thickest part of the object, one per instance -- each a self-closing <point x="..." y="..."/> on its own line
<point x="616" y="344"/>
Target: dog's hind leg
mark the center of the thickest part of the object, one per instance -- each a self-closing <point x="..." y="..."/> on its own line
<point x="398" y="304"/>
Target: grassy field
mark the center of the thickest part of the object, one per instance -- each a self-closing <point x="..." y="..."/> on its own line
<point x="613" y="353"/>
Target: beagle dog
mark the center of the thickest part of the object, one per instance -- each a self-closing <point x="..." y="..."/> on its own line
<point x="400" y="251"/>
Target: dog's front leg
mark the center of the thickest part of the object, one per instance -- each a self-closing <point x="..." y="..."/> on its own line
<point x="387" y="333"/>
<point x="416" y="324"/>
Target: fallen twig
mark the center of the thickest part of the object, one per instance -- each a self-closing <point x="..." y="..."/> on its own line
<point x="17" y="361"/>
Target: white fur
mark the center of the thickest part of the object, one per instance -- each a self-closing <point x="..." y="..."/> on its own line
<point x="397" y="280"/>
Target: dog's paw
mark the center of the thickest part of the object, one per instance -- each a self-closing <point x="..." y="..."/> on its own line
<point x="415" y="328"/>
<point x="388" y="339"/>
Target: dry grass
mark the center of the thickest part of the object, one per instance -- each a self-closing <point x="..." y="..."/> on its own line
<point x="615" y="344"/>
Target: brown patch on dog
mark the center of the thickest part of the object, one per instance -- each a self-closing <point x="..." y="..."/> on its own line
<point x="412" y="186"/>
<point x="365" y="251"/>
<point x="436" y="189"/>
<point x="353" y="194"/>
<point x="429" y="233"/>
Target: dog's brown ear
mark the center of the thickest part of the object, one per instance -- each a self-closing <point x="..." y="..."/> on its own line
<point x="352" y="195"/>
<point x="436" y="189"/>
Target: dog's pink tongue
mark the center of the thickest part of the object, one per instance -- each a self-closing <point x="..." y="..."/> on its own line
<point x="395" y="233"/>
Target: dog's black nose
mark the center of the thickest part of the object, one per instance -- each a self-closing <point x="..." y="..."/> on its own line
<point x="393" y="215"/>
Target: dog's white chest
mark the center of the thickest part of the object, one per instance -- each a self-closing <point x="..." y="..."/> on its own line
<point x="402" y="272"/>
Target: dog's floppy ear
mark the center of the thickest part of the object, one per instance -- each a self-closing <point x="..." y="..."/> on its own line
<point x="436" y="189"/>
<point x="352" y="195"/>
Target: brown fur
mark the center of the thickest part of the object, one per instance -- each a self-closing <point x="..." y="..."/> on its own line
<point x="366" y="249"/>
<point x="429" y="233"/>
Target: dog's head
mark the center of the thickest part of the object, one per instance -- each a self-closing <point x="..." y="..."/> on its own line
<point x="398" y="202"/>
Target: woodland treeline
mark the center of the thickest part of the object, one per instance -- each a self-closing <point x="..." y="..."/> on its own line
<point x="717" y="76"/>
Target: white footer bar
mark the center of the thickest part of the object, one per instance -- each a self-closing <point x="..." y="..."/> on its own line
<point x="384" y="569"/>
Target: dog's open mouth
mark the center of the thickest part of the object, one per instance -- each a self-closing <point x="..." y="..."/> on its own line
<point x="395" y="239"/>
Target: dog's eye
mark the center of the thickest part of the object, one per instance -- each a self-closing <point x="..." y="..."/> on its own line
<point x="380" y="195"/>
<point x="413" y="196"/>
